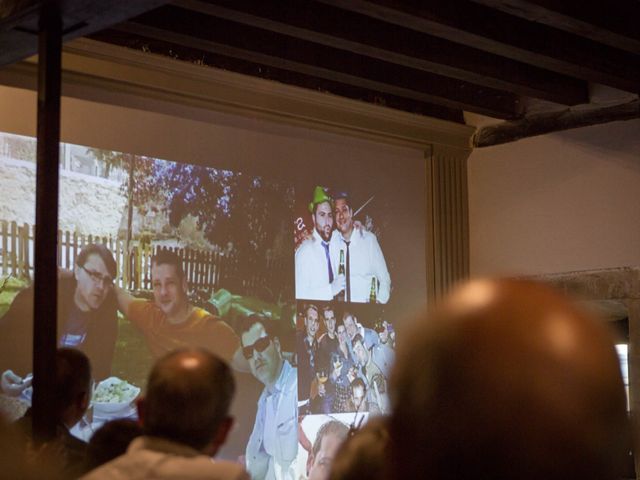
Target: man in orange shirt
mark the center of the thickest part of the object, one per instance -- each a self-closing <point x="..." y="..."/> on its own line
<point x="170" y="321"/>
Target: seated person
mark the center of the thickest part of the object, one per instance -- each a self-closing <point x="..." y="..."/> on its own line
<point x="514" y="382"/>
<point x="170" y="321"/>
<point x="185" y="420"/>
<point x="110" y="441"/>
<point x="87" y="319"/>
<point x="71" y="400"/>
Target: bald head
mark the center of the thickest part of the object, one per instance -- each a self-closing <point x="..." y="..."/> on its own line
<point x="188" y="397"/>
<point x="514" y="382"/>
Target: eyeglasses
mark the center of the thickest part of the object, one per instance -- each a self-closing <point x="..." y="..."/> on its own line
<point x="259" y="346"/>
<point x="97" y="277"/>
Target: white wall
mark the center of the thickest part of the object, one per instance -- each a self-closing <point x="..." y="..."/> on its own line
<point x="560" y="202"/>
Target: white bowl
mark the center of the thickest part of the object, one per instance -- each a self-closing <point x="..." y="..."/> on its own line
<point x="113" y="395"/>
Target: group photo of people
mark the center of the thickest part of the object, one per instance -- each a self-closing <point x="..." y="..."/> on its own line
<point x="345" y="353"/>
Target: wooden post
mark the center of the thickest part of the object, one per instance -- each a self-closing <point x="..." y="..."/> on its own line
<point x="67" y="250"/>
<point x="45" y="278"/>
<point x="5" y="248"/>
<point x="14" y="249"/>
<point x="26" y="261"/>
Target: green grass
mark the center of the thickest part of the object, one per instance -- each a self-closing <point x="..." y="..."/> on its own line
<point x="132" y="360"/>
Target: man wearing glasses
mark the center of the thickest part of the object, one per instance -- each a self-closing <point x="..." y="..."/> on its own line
<point x="273" y="443"/>
<point x="86" y="319"/>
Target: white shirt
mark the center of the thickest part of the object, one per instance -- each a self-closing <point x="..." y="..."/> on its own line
<point x="365" y="261"/>
<point x="273" y="444"/>
<point x="312" y="272"/>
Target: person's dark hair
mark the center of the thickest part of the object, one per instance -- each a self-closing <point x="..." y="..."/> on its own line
<point x="315" y="205"/>
<point x="245" y="324"/>
<point x="357" y="382"/>
<point x="165" y="256"/>
<point x="309" y="306"/>
<point x="332" y="427"/>
<point x="73" y="378"/>
<point x="110" y="441"/>
<point x="346" y="314"/>
<point x="103" y="252"/>
<point x="189" y="393"/>
<point x="357" y="338"/>
<point x="364" y="453"/>
<point x="333" y="358"/>
<point x="342" y="195"/>
<point x="328" y="308"/>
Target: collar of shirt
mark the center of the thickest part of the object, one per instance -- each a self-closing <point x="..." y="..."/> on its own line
<point x="282" y="380"/>
<point x="162" y="445"/>
<point x="356" y="235"/>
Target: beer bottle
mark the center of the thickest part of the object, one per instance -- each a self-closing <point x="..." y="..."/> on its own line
<point x="372" y="292"/>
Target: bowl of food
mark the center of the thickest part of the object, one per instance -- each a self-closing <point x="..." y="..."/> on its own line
<point x="113" y="395"/>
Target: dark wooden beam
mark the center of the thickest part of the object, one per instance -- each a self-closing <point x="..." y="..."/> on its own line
<point x="46" y="235"/>
<point x="19" y="22"/>
<point x="234" y="64"/>
<point x="215" y="35"/>
<point x="362" y="35"/>
<point x="554" y="122"/>
<point x="511" y="37"/>
<point x="616" y="25"/>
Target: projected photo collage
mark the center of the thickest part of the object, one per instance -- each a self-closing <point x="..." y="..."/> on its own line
<point x="155" y="255"/>
<point x="345" y="340"/>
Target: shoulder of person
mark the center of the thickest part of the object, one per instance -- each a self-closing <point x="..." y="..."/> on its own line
<point x="230" y="470"/>
<point x="214" y="320"/>
<point x="307" y="244"/>
<point x="367" y="235"/>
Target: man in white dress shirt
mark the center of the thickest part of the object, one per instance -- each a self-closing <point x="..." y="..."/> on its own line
<point x="273" y="443"/>
<point x="317" y="275"/>
<point x="365" y="265"/>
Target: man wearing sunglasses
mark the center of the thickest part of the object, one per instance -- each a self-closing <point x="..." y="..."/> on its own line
<point x="87" y="319"/>
<point x="273" y="443"/>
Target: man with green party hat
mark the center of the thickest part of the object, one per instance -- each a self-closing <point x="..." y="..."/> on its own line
<point x="317" y="276"/>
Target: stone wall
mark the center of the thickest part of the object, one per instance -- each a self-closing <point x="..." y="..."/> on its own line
<point x="88" y="205"/>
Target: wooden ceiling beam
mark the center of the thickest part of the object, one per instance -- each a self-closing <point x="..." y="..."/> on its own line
<point x="514" y="38"/>
<point x="234" y="64"/>
<point x="543" y="123"/>
<point x="355" y="33"/>
<point x="617" y="26"/>
<point x="270" y="49"/>
<point x="19" y="22"/>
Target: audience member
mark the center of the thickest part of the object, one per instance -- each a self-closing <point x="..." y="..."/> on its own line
<point x="110" y="441"/>
<point x="362" y="456"/>
<point x="14" y="461"/>
<point x="71" y="400"/>
<point x="508" y="380"/>
<point x="185" y="420"/>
